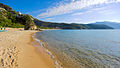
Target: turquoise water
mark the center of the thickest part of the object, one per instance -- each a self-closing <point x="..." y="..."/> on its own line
<point x="1" y="30"/>
<point x="88" y="48"/>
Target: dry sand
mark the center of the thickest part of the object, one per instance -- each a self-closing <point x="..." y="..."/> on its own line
<point x="16" y="51"/>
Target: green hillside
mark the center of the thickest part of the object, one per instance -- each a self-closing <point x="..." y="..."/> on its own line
<point x="11" y="18"/>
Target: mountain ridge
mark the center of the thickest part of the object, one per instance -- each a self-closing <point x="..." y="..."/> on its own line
<point x="115" y="25"/>
<point x="43" y="24"/>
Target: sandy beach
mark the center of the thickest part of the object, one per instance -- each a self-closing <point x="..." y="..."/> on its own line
<point x="17" y="51"/>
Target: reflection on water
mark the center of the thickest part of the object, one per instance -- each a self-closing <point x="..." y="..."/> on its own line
<point x="88" y="48"/>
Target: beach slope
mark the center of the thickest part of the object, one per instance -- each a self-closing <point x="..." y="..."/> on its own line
<point x="16" y="51"/>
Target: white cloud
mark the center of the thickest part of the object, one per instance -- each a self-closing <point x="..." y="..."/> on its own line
<point x="80" y="13"/>
<point x="72" y="6"/>
<point x="49" y="19"/>
<point x="107" y="12"/>
<point x="73" y="0"/>
<point x="97" y="10"/>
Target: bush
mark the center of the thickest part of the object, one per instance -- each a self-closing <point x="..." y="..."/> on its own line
<point x="17" y="25"/>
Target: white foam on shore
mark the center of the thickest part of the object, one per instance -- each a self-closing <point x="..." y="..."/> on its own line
<point x="57" y="65"/>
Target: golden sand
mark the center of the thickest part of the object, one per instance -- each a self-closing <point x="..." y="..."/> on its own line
<point x="16" y="51"/>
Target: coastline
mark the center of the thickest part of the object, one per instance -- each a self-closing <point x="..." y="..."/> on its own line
<point x="57" y="61"/>
<point x="64" y="63"/>
<point x="16" y="51"/>
<point x="40" y="44"/>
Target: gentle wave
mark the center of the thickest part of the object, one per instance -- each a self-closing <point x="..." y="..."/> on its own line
<point x="91" y="48"/>
<point x="57" y="65"/>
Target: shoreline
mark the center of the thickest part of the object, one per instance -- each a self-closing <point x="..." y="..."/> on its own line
<point x="16" y="51"/>
<point x="23" y="49"/>
<point x="60" y="64"/>
<point x="42" y="45"/>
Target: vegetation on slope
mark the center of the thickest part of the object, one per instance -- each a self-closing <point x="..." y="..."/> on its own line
<point x="42" y="24"/>
<point x="11" y="18"/>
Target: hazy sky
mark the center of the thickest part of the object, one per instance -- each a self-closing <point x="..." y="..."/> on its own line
<point x="69" y="11"/>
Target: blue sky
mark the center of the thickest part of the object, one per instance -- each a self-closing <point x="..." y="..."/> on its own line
<point x="69" y="11"/>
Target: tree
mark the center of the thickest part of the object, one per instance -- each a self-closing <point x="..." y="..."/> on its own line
<point x="5" y="7"/>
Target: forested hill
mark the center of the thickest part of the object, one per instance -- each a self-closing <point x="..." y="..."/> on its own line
<point x="12" y="18"/>
<point x="42" y="24"/>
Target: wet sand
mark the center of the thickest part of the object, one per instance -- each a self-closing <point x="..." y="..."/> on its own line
<point x="16" y="51"/>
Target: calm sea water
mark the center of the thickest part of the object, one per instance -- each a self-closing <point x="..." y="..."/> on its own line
<point x="1" y="30"/>
<point x="88" y="48"/>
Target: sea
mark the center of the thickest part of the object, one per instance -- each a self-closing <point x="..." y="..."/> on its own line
<point x="1" y="30"/>
<point x="83" y="48"/>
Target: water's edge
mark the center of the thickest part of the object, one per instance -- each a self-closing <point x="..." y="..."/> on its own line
<point x="3" y="30"/>
<point x="82" y="49"/>
<point x="57" y="63"/>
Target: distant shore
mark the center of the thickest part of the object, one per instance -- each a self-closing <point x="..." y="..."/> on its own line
<point x="16" y="51"/>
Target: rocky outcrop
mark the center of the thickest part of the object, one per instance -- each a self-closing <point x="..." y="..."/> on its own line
<point x="29" y="23"/>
